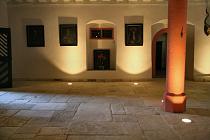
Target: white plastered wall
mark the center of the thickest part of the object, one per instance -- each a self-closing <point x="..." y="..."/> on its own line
<point x="202" y="43"/>
<point x="132" y="63"/>
<point x="3" y="14"/>
<point x="54" y="61"/>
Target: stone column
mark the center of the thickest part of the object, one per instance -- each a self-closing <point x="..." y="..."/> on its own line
<point x="174" y="97"/>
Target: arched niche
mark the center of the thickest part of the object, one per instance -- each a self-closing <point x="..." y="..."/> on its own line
<point x="159" y="31"/>
<point x="99" y="46"/>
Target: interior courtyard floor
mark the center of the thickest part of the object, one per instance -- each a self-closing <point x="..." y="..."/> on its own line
<point x="38" y="110"/>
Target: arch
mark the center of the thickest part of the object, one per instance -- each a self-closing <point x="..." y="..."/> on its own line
<point x="100" y="21"/>
<point x="161" y="27"/>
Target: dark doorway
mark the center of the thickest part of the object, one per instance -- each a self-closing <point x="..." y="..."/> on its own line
<point x="160" y="56"/>
<point x="5" y="58"/>
<point x="101" y="59"/>
<point x="159" y="53"/>
<point x="160" y="59"/>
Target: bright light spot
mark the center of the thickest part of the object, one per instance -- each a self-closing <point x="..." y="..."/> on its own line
<point x="186" y="120"/>
<point x="69" y="84"/>
<point x="136" y="84"/>
<point x="162" y="101"/>
<point x="134" y="60"/>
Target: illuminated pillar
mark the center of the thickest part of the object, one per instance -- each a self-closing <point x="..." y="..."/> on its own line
<point x="174" y="98"/>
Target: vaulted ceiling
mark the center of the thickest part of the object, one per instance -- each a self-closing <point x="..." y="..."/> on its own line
<point x="93" y="1"/>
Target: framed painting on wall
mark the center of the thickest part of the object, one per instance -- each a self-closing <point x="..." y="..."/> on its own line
<point x="68" y="34"/>
<point x="133" y="34"/>
<point x="101" y="33"/>
<point x="101" y="59"/>
<point x="35" y="35"/>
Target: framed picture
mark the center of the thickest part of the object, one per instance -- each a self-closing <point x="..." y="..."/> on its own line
<point x="133" y="34"/>
<point x="101" y="59"/>
<point x="68" y="34"/>
<point x="101" y="33"/>
<point x="35" y="35"/>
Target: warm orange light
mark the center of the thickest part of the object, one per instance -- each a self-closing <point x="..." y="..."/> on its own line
<point x="177" y="99"/>
<point x="176" y="46"/>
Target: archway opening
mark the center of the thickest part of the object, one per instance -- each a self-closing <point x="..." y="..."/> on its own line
<point x="159" y="53"/>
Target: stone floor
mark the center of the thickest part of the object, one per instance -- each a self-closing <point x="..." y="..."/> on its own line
<point x="100" y="111"/>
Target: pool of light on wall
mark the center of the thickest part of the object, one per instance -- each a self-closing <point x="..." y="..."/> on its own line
<point x="134" y="61"/>
<point x="202" y="59"/>
<point x="72" y="61"/>
<point x="69" y="60"/>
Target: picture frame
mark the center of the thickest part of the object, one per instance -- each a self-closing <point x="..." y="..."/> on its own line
<point x="101" y="59"/>
<point x="35" y="35"/>
<point x="101" y="33"/>
<point x="134" y="34"/>
<point x="68" y="34"/>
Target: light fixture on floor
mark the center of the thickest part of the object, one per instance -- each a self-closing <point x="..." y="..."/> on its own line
<point x="162" y="101"/>
<point x="186" y="120"/>
<point x="69" y="83"/>
<point x="136" y="83"/>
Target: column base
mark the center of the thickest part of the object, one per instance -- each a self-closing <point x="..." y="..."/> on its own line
<point x="174" y="103"/>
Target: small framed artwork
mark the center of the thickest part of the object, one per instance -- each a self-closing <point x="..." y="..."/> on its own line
<point x="101" y="33"/>
<point x="101" y="59"/>
<point x="133" y="34"/>
<point x="68" y="34"/>
<point x="35" y="35"/>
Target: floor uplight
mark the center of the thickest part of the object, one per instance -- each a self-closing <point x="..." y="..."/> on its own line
<point x="135" y="84"/>
<point x="186" y="120"/>
<point x="69" y="83"/>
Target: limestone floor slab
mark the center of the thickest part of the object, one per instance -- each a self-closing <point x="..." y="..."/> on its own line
<point x="60" y="99"/>
<point x="152" y="122"/>
<point x="117" y="109"/>
<point x="55" y="137"/>
<point x="35" y="113"/>
<point x="72" y="107"/>
<point x="124" y="118"/>
<point x="14" y="122"/>
<point x="53" y="131"/>
<point x="62" y="116"/>
<point x="28" y="130"/>
<point x="93" y="112"/>
<point x="35" y="110"/>
<point x="7" y="113"/>
<point x="38" y="122"/>
<point x="22" y="137"/>
<point x="41" y="99"/>
<point x="50" y="106"/>
<point x="121" y="137"/>
<point x="161" y="135"/>
<point x="6" y="132"/>
<point x="17" y="106"/>
<point x="9" y="97"/>
<point x="105" y="128"/>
